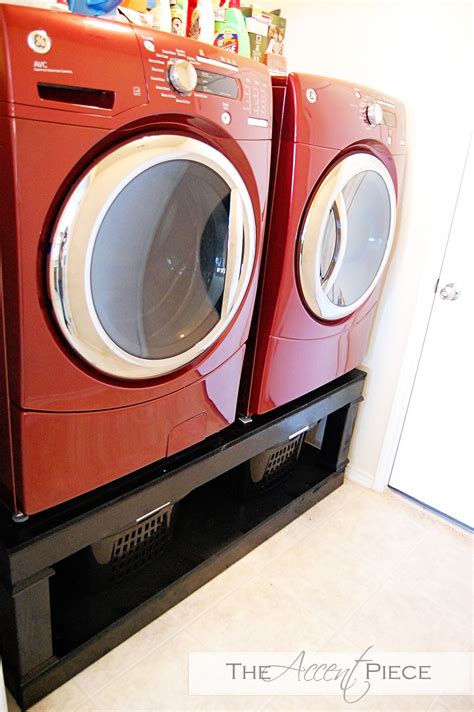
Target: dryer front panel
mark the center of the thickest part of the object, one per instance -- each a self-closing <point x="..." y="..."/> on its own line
<point x="346" y="237"/>
<point x="151" y="256"/>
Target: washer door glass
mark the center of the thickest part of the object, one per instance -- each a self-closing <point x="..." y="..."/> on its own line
<point x="347" y="235"/>
<point x="163" y="234"/>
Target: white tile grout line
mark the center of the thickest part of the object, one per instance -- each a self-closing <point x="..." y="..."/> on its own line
<point x="283" y="550"/>
<point x="375" y="592"/>
<point x="344" y="619"/>
<point x="380" y="585"/>
<point x="92" y="694"/>
<point x="377" y="586"/>
<point x="266" y="704"/>
<point x="153" y="648"/>
<point x="310" y="612"/>
<point x="436" y="701"/>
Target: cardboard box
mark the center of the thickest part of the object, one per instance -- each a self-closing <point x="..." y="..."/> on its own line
<point x="266" y="32"/>
<point x="257" y="23"/>
<point x="276" y="35"/>
<point x="276" y="63"/>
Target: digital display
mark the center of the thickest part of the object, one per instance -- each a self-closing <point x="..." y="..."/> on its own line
<point x="389" y="119"/>
<point x="218" y="84"/>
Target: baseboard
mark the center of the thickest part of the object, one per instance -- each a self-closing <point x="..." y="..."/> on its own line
<point x="359" y="476"/>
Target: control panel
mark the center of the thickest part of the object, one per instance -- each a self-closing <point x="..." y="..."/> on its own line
<point x="312" y="102"/>
<point x="54" y="60"/>
<point x="381" y="111"/>
<point x="192" y="74"/>
<point x="217" y="84"/>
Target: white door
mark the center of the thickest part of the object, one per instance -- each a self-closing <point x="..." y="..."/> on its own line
<point x="151" y="256"/>
<point x="434" y="462"/>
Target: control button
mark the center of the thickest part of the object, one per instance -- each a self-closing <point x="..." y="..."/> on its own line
<point x="374" y="114"/>
<point x="226" y="118"/>
<point x="39" y="41"/>
<point x="182" y="76"/>
<point x="148" y="44"/>
<point x="311" y="96"/>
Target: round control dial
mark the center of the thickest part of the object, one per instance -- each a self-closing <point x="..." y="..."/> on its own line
<point x="374" y="114"/>
<point x="182" y="76"/>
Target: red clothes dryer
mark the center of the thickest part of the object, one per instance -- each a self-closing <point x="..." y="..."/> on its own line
<point x="336" y="172"/>
<point x="134" y="178"/>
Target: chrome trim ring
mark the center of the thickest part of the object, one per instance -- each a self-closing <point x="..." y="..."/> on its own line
<point x="313" y="288"/>
<point x="76" y="230"/>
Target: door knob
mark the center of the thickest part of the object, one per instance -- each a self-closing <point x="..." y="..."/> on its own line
<point x="449" y="293"/>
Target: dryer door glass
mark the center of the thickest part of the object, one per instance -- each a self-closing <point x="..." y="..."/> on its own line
<point x="158" y="271"/>
<point x="163" y="235"/>
<point x="347" y="236"/>
<point x="367" y="206"/>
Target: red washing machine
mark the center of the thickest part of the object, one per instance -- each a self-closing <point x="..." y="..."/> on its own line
<point x="134" y="179"/>
<point x="337" y="168"/>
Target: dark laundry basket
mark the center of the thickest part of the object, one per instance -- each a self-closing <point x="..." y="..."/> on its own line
<point x="122" y="554"/>
<point x="268" y="469"/>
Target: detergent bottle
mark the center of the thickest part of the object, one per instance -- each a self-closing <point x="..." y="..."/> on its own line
<point x="161" y="16"/>
<point x="232" y="35"/>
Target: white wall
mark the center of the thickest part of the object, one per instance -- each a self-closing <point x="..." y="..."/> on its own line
<point x="421" y="53"/>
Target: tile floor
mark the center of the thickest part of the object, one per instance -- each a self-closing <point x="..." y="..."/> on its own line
<point x="359" y="568"/>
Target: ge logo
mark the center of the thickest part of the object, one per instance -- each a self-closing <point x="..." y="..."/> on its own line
<point x="39" y="41"/>
<point x="312" y="96"/>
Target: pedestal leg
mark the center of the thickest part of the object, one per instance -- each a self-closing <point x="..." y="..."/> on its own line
<point x="338" y="434"/>
<point x="26" y="631"/>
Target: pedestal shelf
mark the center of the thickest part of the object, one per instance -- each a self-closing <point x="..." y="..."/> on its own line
<point x="54" y="625"/>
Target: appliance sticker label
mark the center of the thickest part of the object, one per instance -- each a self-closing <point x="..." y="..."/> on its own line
<point x="228" y="41"/>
